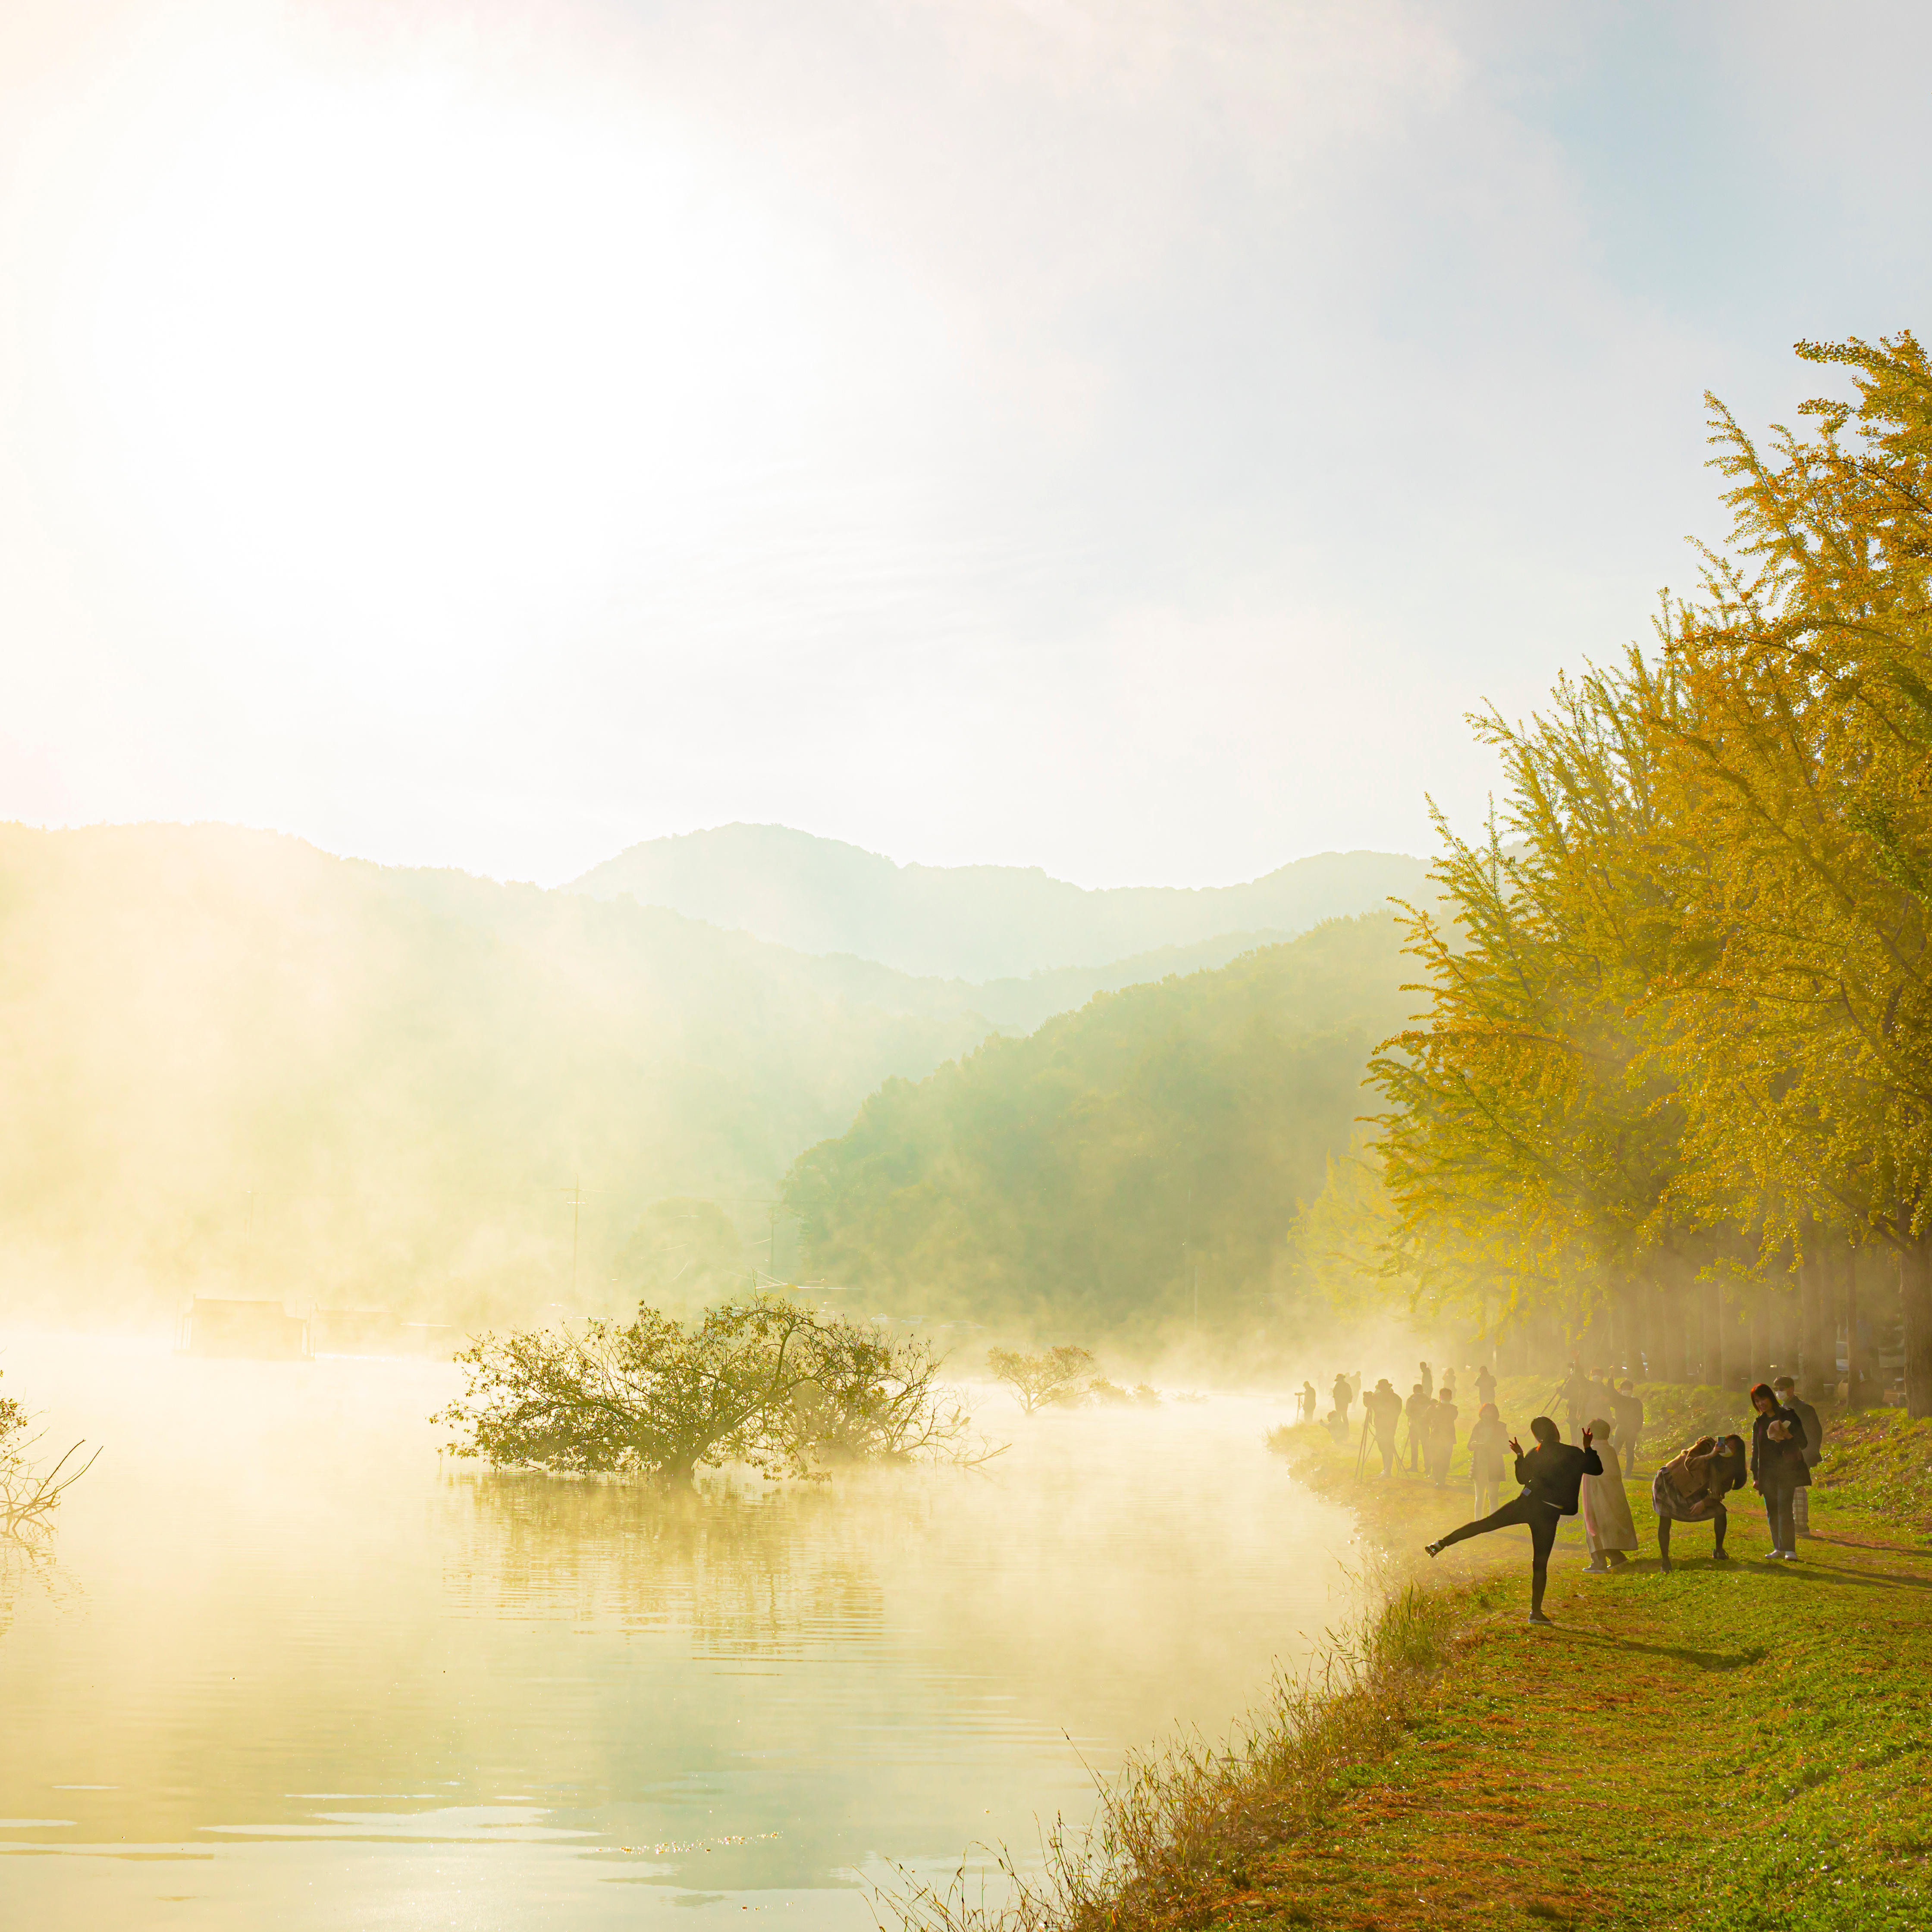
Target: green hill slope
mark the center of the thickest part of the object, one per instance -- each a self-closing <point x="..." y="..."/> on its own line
<point x="233" y="1064"/>
<point x="1073" y="1181"/>
<point x="973" y="922"/>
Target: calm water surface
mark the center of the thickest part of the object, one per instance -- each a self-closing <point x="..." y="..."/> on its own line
<point x="291" y="1670"/>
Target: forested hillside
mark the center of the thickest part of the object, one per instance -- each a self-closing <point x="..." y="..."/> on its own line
<point x="1072" y="1182"/>
<point x="974" y="922"/>
<point x="235" y="1064"/>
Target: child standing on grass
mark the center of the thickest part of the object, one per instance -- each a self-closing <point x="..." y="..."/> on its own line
<point x="1608" y="1526"/>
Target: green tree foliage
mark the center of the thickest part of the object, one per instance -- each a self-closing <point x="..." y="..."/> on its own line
<point x="762" y="1381"/>
<point x="1081" y="1178"/>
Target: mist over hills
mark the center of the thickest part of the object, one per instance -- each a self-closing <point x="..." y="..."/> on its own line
<point x="235" y="1064"/>
<point x="974" y="922"/>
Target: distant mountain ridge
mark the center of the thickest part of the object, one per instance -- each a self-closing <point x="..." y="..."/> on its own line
<point x="975" y="922"/>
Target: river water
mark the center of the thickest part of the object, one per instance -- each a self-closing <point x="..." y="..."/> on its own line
<point x="288" y="1668"/>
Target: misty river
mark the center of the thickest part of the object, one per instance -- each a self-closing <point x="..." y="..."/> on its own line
<point x="288" y="1668"/>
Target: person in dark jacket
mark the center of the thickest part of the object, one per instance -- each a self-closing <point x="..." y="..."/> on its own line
<point x="1385" y="1412"/>
<point x="1814" y="1448"/>
<point x="1486" y="1383"/>
<point x="1777" y="1467"/>
<point x="1343" y="1395"/>
<point x="1628" y="1407"/>
<point x="1551" y="1474"/>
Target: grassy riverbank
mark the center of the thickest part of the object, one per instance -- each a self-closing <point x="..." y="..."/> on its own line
<point x="1738" y="1746"/>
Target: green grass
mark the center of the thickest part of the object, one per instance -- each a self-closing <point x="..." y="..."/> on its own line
<point x="1736" y="1747"/>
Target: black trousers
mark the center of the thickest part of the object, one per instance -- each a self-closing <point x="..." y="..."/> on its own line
<point x="1779" y="1488"/>
<point x="1543" y="1519"/>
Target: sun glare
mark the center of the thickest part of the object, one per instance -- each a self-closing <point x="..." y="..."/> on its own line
<point x="398" y="352"/>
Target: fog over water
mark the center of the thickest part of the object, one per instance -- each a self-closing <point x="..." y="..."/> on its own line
<point x="289" y="1667"/>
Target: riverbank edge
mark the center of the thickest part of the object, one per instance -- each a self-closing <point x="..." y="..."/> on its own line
<point x="1438" y="1765"/>
<point x="1181" y="1834"/>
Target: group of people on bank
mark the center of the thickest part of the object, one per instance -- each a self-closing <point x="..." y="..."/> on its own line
<point x="1557" y="1479"/>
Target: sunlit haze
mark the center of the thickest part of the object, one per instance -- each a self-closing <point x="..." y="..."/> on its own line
<point x="1124" y="439"/>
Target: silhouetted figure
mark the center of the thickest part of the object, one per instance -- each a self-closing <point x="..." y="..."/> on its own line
<point x="1448" y="1383"/>
<point x="1628" y="1407"/>
<point x="1439" y="1440"/>
<point x="1344" y="1395"/>
<point x="1417" y="1408"/>
<point x="1486" y="1384"/>
<point x="1385" y="1412"/>
<point x="1814" y="1448"/>
<point x="1777" y="1467"/>
<point x="1551" y="1475"/>
<point x="1307" y="1403"/>
<point x="1575" y="1390"/>
<point x="1427" y="1377"/>
<point x="1610" y="1531"/>
<point x="1488" y="1439"/>
<point x="1691" y="1488"/>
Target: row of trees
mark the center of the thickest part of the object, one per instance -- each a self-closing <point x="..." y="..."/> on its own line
<point x="763" y="1380"/>
<point x="1675" y="1079"/>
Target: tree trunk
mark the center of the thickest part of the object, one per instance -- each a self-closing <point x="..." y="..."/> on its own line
<point x="1816" y="1371"/>
<point x="1713" y="1299"/>
<point x="1757" y="1319"/>
<point x="1855" y="1394"/>
<point x="1914" y="1297"/>
<point x="1668" y="1324"/>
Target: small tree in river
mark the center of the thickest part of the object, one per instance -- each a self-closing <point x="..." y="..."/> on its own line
<point x="1053" y="1375"/>
<point x="762" y="1381"/>
<point x="30" y="1494"/>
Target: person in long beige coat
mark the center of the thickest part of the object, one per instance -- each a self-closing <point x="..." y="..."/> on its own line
<point x="1609" y="1528"/>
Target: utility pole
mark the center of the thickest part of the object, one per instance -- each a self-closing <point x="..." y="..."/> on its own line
<point x="573" y="1194"/>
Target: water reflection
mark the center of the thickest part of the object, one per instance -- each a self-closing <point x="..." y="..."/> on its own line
<point x="305" y="1673"/>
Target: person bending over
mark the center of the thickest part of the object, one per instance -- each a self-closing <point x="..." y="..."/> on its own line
<point x="1691" y="1488"/>
<point x="1551" y="1474"/>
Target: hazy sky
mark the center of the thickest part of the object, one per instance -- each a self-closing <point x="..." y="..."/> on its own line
<point x="1118" y="435"/>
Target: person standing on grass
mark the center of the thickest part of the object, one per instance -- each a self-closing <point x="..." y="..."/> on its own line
<point x="1487" y="1441"/>
<point x="1777" y="1467"/>
<point x="1344" y="1395"/>
<point x="1486" y="1384"/>
<point x="1691" y="1488"/>
<point x="1385" y="1410"/>
<point x="1551" y="1475"/>
<point x="1814" y="1449"/>
<point x="1575" y="1390"/>
<point x="1417" y="1409"/>
<point x="1428" y="1379"/>
<point x="1439" y="1419"/>
<point x="1608" y="1526"/>
<point x="1628" y="1406"/>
